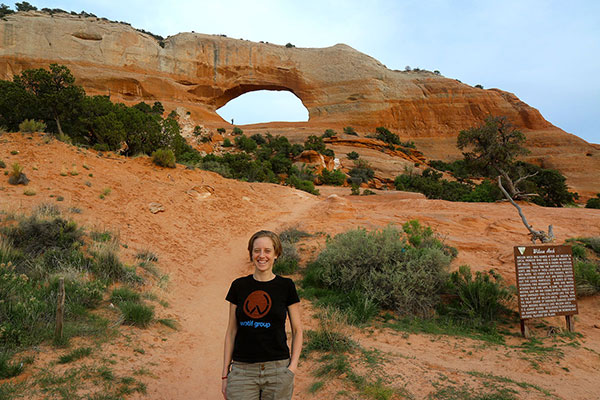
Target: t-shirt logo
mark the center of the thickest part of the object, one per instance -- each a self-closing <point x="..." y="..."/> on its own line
<point x="257" y="304"/>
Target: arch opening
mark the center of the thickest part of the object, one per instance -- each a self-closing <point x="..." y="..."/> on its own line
<point x="263" y="106"/>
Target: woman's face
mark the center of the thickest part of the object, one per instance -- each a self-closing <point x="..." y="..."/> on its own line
<point x="263" y="254"/>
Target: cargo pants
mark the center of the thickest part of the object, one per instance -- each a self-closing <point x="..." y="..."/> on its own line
<point x="271" y="380"/>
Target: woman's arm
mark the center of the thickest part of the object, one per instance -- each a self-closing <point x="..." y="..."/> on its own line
<point x="294" y="313"/>
<point x="228" y="350"/>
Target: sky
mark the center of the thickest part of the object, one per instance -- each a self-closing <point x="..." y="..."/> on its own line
<point x="546" y="52"/>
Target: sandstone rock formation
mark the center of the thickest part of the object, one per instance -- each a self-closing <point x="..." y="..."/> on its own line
<point x="338" y="85"/>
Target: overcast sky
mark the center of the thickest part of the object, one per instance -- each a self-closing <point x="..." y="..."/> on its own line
<point x="545" y="52"/>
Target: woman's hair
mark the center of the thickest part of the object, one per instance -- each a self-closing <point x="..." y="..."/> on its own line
<point x="271" y="235"/>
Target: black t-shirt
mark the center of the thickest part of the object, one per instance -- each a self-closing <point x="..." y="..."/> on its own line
<point x="260" y="316"/>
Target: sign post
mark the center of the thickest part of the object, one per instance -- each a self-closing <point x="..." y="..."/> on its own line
<point x="545" y="283"/>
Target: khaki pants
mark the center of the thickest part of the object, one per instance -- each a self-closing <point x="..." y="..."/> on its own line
<point x="270" y="380"/>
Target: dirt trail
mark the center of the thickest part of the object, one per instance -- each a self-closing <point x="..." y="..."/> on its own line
<point x="192" y="358"/>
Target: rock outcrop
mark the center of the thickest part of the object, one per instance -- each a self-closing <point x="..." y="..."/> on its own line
<point x="338" y="85"/>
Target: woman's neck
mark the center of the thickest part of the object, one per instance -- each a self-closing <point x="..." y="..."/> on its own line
<point x="263" y="276"/>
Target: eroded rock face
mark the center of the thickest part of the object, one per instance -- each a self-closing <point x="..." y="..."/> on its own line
<point x="338" y="85"/>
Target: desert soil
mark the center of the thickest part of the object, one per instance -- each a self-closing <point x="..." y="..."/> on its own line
<point x="200" y="239"/>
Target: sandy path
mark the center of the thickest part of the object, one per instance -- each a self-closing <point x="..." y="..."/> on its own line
<point x="191" y="360"/>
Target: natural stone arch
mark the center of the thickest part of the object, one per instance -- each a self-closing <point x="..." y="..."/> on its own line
<point x="239" y="90"/>
<point x="267" y="105"/>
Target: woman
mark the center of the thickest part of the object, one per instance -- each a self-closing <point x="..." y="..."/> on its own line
<point x="257" y="363"/>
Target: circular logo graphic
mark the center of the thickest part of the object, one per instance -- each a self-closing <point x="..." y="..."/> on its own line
<point x="257" y="304"/>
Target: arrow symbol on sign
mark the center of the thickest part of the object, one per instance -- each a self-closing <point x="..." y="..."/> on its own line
<point x="521" y="249"/>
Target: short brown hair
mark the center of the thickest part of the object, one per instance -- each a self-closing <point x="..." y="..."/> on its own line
<point x="271" y="235"/>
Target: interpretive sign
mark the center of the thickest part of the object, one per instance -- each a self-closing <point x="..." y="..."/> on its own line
<point x="545" y="281"/>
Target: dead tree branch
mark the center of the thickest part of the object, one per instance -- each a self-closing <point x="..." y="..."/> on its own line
<point x="542" y="236"/>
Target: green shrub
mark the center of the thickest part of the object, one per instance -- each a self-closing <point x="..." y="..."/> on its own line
<point x="97" y="236"/>
<point x="287" y="262"/>
<point x="549" y="185"/>
<point x="353" y="155"/>
<point x="34" y="235"/>
<point x="479" y="300"/>
<point x="578" y="252"/>
<point x="409" y="144"/>
<point x="336" y="177"/>
<point x="431" y="185"/>
<point x="356" y="307"/>
<point x="136" y="314"/>
<point x="314" y="143"/>
<point x="306" y="185"/>
<point x="592" y="243"/>
<point x="80" y="292"/>
<point x="330" y="335"/>
<point x="9" y="369"/>
<point x="30" y="126"/>
<point x="348" y="130"/>
<point x="459" y="168"/>
<point x="122" y="294"/>
<point x="329" y="133"/>
<point x="16" y="175"/>
<point x="221" y="131"/>
<point x="164" y="158"/>
<point x="75" y="355"/>
<point x="355" y="190"/>
<point x="361" y="173"/>
<point x="2" y="164"/>
<point x="101" y="147"/>
<point x="237" y="131"/>
<point x="108" y="266"/>
<point x="587" y="278"/>
<point x="384" y="267"/>
<point x="259" y="139"/>
<point x="594" y="202"/>
<point x="227" y="143"/>
<point x="385" y="135"/>
<point x="245" y="143"/>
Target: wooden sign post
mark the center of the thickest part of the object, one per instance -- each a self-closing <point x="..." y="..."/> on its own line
<point x="545" y="283"/>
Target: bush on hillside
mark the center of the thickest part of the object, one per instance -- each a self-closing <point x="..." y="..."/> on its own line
<point x="361" y="173"/>
<point x="480" y="300"/>
<point x="164" y="158"/>
<point x="395" y="270"/>
<point x="329" y="133"/>
<point x="348" y="130"/>
<point x="587" y="277"/>
<point x="431" y="184"/>
<point x="353" y="155"/>
<point x="336" y="177"/>
<point x="30" y="126"/>
<point x="385" y="135"/>
<point x="287" y="262"/>
<point x="302" y="184"/>
<point x="594" y="202"/>
<point x="245" y="143"/>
